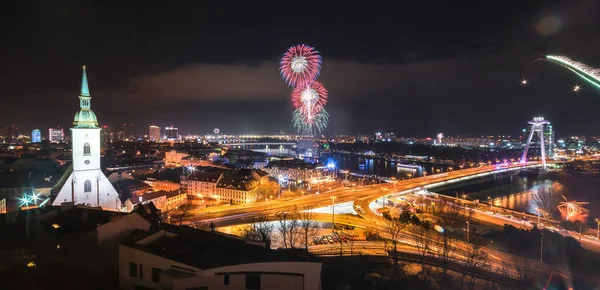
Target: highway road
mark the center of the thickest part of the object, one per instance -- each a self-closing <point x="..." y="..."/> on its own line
<point x="338" y="195"/>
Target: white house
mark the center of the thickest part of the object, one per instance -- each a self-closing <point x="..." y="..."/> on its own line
<point x="181" y="258"/>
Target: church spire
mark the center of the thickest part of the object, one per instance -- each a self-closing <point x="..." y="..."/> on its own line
<point x="85" y="117"/>
<point x="85" y="91"/>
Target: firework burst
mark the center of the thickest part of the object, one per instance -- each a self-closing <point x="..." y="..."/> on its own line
<point x="310" y="125"/>
<point x="309" y="99"/>
<point x="300" y="65"/>
<point x="573" y="210"/>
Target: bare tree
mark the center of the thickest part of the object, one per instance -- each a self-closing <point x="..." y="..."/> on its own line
<point x="263" y="230"/>
<point x="294" y="229"/>
<point x="422" y="237"/>
<point x="307" y="222"/>
<point x="546" y="200"/>
<point x="519" y="268"/>
<point x="445" y="247"/>
<point x="283" y="227"/>
<point x="474" y="258"/>
<point x="393" y="228"/>
<point x="183" y="210"/>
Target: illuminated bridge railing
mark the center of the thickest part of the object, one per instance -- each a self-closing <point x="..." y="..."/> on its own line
<point x="455" y="180"/>
<point x="261" y="143"/>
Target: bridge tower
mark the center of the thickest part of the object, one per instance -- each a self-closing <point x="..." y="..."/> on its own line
<point x="537" y="125"/>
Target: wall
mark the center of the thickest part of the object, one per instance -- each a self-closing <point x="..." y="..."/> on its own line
<point x="130" y="255"/>
<point x="120" y="228"/>
<point x="273" y="276"/>
<point x="80" y="137"/>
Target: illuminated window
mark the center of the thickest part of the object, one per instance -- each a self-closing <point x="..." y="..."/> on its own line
<point x="86" y="149"/>
<point x="87" y="186"/>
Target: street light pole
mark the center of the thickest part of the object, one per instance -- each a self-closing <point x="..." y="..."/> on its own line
<point x="333" y="214"/>
<point x="598" y="231"/>
<point x="542" y="248"/>
<point x="468" y="232"/>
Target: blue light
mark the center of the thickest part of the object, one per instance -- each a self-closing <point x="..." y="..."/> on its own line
<point x="331" y="165"/>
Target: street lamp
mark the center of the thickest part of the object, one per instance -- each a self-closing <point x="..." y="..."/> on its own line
<point x="383" y="198"/>
<point x="333" y="214"/>
<point x="491" y="204"/>
<point x="468" y="231"/>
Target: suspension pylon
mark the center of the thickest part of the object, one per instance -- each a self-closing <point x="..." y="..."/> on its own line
<point x="537" y="125"/>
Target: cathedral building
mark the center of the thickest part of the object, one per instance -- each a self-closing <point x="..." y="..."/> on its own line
<point x="86" y="183"/>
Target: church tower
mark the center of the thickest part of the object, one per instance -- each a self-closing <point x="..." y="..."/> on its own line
<point x="86" y="183"/>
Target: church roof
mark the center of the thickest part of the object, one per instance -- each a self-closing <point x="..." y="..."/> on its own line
<point x="85" y="117"/>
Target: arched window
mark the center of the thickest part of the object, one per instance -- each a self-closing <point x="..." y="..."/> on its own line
<point x="87" y="186"/>
<point x="86" y="148"/>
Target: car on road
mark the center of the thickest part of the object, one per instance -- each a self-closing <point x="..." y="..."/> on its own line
<point x="592" y="237"/>
<point x="330" y="239"/>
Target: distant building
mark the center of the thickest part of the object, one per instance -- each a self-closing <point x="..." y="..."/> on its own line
<point x="2" y="205"/>
<point x="171" y="133"/>
<point x="201" y="184"/>
<point x="299" y="170"/>
<point x="165" y="185"/>
<point x="11" y="133"/>
<point x="121" y="133"/>
<point x="175" y="198"/>
<point x="174" y="158"/>
<point x="181" y="258"/>
<point x="154" y="133"/>
<point x="162" y="200"/>
<point x="56" y="135"/>
<point x="132" y="187"/>
<point x="233" y="191"/>
<point x="105" y="135"/>
<point x="36" y="136"/>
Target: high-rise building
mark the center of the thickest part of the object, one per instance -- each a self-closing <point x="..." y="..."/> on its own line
<point x="56" y="134"/>
<point x="105" y="135"/>
<point x="120" y="133"/>
<point x="85" y="183"/>
<point x="171" y="133"/>
<point x="11" y="133"/>
<point x="36" y="136"/>
<point x="154" y="133"/>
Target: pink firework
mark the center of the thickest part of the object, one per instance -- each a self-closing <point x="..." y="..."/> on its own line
<point x="309" y="99"/>
<point x="300" y="65"/>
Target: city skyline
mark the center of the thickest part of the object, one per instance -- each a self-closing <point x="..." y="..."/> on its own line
<point x="390" y="73"/>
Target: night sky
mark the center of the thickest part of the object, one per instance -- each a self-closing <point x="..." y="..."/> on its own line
<point x="413" y="69"/>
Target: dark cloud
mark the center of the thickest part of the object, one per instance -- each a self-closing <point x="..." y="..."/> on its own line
<point x="422" y="69"/>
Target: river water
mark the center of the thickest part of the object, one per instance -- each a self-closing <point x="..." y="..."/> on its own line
<point x="506" y="190"/>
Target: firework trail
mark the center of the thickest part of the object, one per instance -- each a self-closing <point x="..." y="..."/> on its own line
<point x="586" y="72"/>
<point x="301" y="64"/>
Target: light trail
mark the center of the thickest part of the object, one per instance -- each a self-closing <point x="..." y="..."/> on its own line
<point x="586" y="72"/>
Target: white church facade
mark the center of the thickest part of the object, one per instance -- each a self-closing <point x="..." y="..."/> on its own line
<point x="86" y="183"/>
